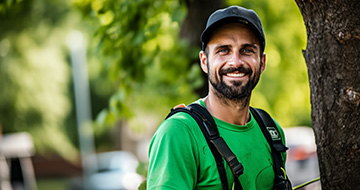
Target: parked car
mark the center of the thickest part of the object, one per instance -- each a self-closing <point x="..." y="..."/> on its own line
<point x="302" y="162"/>
<point x="116" y="171"/>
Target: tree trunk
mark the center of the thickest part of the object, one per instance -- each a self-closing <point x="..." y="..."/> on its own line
<point x="195" y="20"/>
<point x="193" y="25"/>
<point x="333" y="61"/>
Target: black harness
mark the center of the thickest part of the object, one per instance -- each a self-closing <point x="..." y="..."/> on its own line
<point x="221" y="150"/>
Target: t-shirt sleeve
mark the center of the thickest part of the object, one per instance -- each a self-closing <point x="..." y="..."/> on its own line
<point x="172" y="156"/>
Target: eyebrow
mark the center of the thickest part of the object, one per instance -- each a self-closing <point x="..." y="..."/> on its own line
<point x="229" y="46"/>
<point x="222" y="46"/>
<point x="249" y="45"/>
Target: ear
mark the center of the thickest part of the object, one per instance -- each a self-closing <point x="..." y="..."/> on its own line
<point x="203" y="61"/>
<point x="263" y="62"/>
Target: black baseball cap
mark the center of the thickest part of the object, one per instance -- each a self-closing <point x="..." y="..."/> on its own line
<point x="233" y="14"/>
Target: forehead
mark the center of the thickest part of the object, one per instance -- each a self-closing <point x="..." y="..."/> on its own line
<point x="233" y="33"/>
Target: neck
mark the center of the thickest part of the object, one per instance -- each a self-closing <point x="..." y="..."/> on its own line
<point x="231" y="111"/>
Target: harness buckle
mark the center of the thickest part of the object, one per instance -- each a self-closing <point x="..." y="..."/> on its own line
<point x="282" y="183"/>
<point x="238" y="170"/>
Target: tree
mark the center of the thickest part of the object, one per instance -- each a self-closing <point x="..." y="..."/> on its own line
<point x="332" y="56"/>
<point x="193" y="25"/>
<point x="34" y="74"/>
<point x="143" y="55"/>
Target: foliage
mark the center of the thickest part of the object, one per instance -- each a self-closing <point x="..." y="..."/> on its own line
<point x="35" y="77"/>
<point x="144" y="55"/>
<point x="34" y="80"/>
<point x="152" y="66"/>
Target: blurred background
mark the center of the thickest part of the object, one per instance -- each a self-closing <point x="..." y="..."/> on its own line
<point x="85" y="83"/>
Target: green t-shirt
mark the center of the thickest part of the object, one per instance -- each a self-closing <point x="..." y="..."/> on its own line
<point x="180" y="158"/>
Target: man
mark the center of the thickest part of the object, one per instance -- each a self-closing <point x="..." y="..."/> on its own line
<point x="232" y="56"/>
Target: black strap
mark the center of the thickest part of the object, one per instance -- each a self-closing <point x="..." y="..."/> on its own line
<point x="220" y="149"/>
<point x="211" y="133"/>
<point x="273" y="137"/>
<point x="216" y="143"/>
<point x="200" y="121"/>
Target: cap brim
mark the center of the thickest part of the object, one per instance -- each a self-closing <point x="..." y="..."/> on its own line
<point x="206" y="35"/>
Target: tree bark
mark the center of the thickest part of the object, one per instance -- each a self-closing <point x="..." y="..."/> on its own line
<point x="332" y="56"/>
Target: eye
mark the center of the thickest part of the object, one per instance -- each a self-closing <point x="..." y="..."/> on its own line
<point x="223" y="50"/>
<point x="247" y="51"/>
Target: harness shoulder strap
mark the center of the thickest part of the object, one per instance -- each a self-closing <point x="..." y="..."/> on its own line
<point x="216" y="143"/>
<point x="211" y="133"/>
<point x="273" y="137"/>
<point x="269" y="128"/>
<point x="216" y="154"/>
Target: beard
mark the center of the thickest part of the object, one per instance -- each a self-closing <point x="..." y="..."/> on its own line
<point x="237" y="91"/>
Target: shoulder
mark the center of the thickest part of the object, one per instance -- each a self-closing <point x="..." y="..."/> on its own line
<point x="174" y="146"/>
<point x="265" y="116"/>
<point x="180" y="121"/>
<point x="178" y="129"/>
<point x="268" y="120"/>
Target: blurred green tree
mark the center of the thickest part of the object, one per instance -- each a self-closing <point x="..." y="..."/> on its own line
<point x="36" y="92"/>
<point x="144" y="55"/>
<point x="34" y="80"/>
<point x="153" y="66"/>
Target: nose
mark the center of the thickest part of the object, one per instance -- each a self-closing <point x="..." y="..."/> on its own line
<point x="235" y="60"/>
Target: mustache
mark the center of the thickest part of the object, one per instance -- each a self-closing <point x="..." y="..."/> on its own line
<point x="247" y="71"/>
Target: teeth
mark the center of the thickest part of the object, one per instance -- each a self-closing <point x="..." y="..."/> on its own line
<point x="235" y="74"/>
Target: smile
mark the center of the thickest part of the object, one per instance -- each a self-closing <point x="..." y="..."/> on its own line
<point x="235" y="74"/>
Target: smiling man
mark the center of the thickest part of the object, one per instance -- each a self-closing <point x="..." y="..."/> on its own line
<point x="233" y="57"/>
<point x="233" y="61"/>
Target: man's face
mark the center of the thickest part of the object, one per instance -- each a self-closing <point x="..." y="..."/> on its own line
<point x="233" y="63"/>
